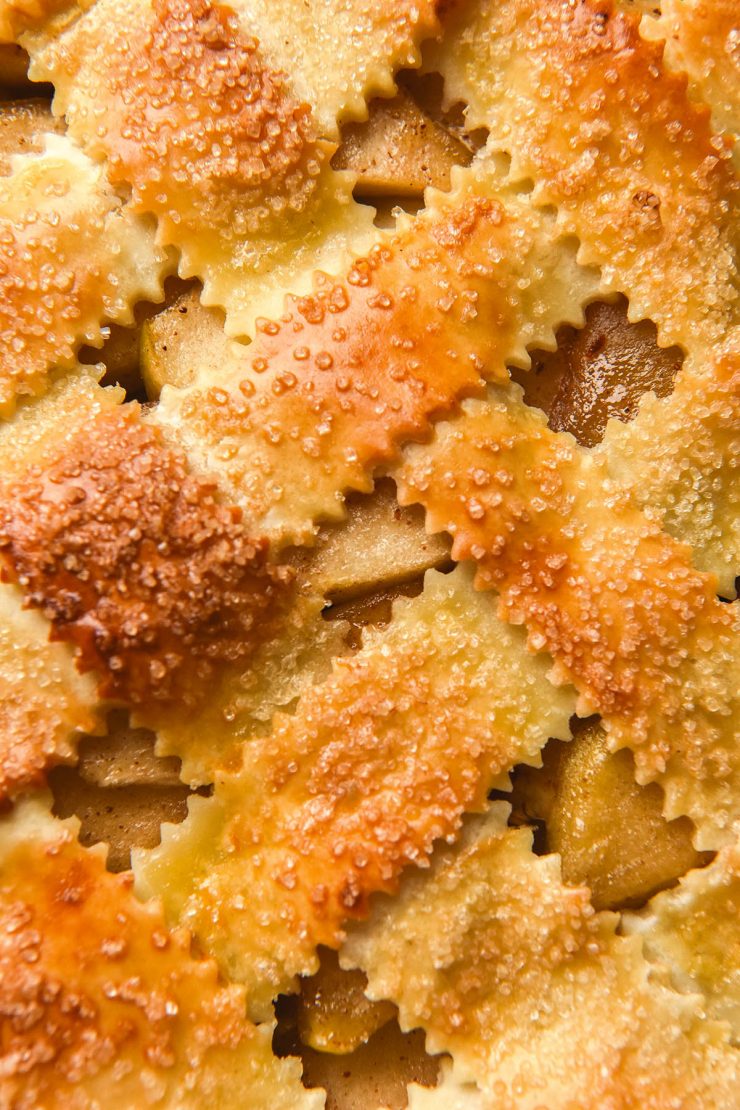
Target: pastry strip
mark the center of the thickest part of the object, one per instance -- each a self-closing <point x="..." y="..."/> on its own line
<point x="587" y="110"/>
<point x="616" y="601"/>
<point x="100" y="1004"/>
<point x="692" y="934"/>
<point x="376" y="764"/>
<point x="190" y="104"/>
<point x="532" y="992"/>
<point x="72" y="256"/>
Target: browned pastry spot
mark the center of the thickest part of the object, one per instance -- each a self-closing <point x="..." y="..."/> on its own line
<point x="200" y="126"/>
<point x="135" y="562"/>
<point x="122" y="817"/>
<point x="599" y="372"/>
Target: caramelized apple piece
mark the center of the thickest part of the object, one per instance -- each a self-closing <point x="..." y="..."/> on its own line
<point x="399" y="150"/>
<point x="13" y="69"/>
<point x="23" y="124"/>
<point x="375" y="1074"/>
<point x="183" y="340"/>
<point x="378" y="543"/>
<point x="123" y="817"/>
<point x="125" y="757"/>
<point x="598" y="372"/>
<point x="334" y="1014"/>
<point x="609" y="831"/>
<point x="388" y="208"/>
<point x="428" y="91"/>
<point x="375" y="607"/>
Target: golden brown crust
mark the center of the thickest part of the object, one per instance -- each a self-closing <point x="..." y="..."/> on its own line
<point x="702" y="41"/>
<point x="134" y="561"/>
<point x="71" y="256"/>
<point x="100" y="1004"/>
<point x="534" y="995"/>
<point x="181" y="103"/>
<point x="616" y="601"/>
<point x="378" y="762"/>
<point x="330" y="390"/>
<point x="587" y="110"/>
<point x="200" y="126"/>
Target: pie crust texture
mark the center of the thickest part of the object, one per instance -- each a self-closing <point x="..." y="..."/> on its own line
<point x="102" y="1004"/>
<point x="148" y="553"/>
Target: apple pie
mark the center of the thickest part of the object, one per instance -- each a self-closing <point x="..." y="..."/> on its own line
<point x="369" y="532"/>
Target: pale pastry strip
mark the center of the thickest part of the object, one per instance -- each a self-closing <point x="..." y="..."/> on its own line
<point x="242" y="700"/>
<point x="692" y="934"/>
<point x="530" y="990"/>
<point x="614" y="600"/>
<point x="589" y="113"/>
<point x="340" y="53"/>
<point x="703" y="41"/>
<point x="376" y="764"/>
<point x="102" y="1005"/>
<point x="72" y="257"/>
<point x="327" y="394"/>
<point x="190" y="108"/>
<point x="679" y="460"/>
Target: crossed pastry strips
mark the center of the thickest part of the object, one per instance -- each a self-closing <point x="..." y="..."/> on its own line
<point x="155" y="544"/>
<point x="534" y="994"/>
<point x="102" y="1004"/>
<point x="212" y="119"/>
<point x="71" y="255"/>
<point x="377" y="763"/>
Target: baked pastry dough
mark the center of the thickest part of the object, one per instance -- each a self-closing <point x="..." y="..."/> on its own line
<point x="170" y="559"/>
<point x="102" y="1005"/>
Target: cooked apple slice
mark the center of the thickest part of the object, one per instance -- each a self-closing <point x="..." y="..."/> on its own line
<point x="399" y="150"/>
<point x="125" y="757"/>
<point x="610" y="832"/>
<point x="182" y="341"/>
<point x="122" y="817"/>
<point x="375" y="1074"/>
<point x="379" y="543"/>
<point x="13" y="68"/>
<point x="598" y="372"/>
<point x="334" y="1014"/>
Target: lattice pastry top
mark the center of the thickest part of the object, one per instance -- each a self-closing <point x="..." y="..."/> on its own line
<point x="173" y="541"/>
